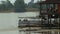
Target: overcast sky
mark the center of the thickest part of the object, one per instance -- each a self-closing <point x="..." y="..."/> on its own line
<point x="26" y="1"/>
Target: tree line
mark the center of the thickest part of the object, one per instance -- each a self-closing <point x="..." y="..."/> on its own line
<point x="19" y="5"/>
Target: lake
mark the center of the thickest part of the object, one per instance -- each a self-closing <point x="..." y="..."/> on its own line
<point x="10" y="21"/>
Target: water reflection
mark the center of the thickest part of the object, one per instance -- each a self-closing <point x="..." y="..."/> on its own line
<point x="24" y="31"/>
<point x="28" y="32"/>
<point x="32" y="32"/>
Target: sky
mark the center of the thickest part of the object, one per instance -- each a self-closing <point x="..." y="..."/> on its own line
<point x="26" y="1"/>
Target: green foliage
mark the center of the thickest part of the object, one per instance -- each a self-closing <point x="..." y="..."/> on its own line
<point x="6" y="5"/>
<point x="26" y="5"/>
<point x="33" y="5"/>
<point x="2" y="7"/>
<point x="19" y="6"/>
<point x="9" y="5"/>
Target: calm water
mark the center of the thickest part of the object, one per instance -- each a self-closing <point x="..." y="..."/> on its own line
<point x="10" y="20"/>
<point x="17" y="32"/>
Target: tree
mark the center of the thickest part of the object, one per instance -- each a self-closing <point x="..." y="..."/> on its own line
<point x="30" y="4"/>
<point x="9" y="5"/>
<point x="26" y="5"/>
<point x="2" y="6"/>
<point x="19" y="6"/>
<point x="6" y="5"/>
<point x="33" y="5"/>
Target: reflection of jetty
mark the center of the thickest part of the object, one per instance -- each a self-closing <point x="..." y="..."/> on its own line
<point x="28" y="29"/>
<point x="38" y="22"/>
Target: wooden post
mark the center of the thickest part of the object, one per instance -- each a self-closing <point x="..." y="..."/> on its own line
<point x="58" y="8"/>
